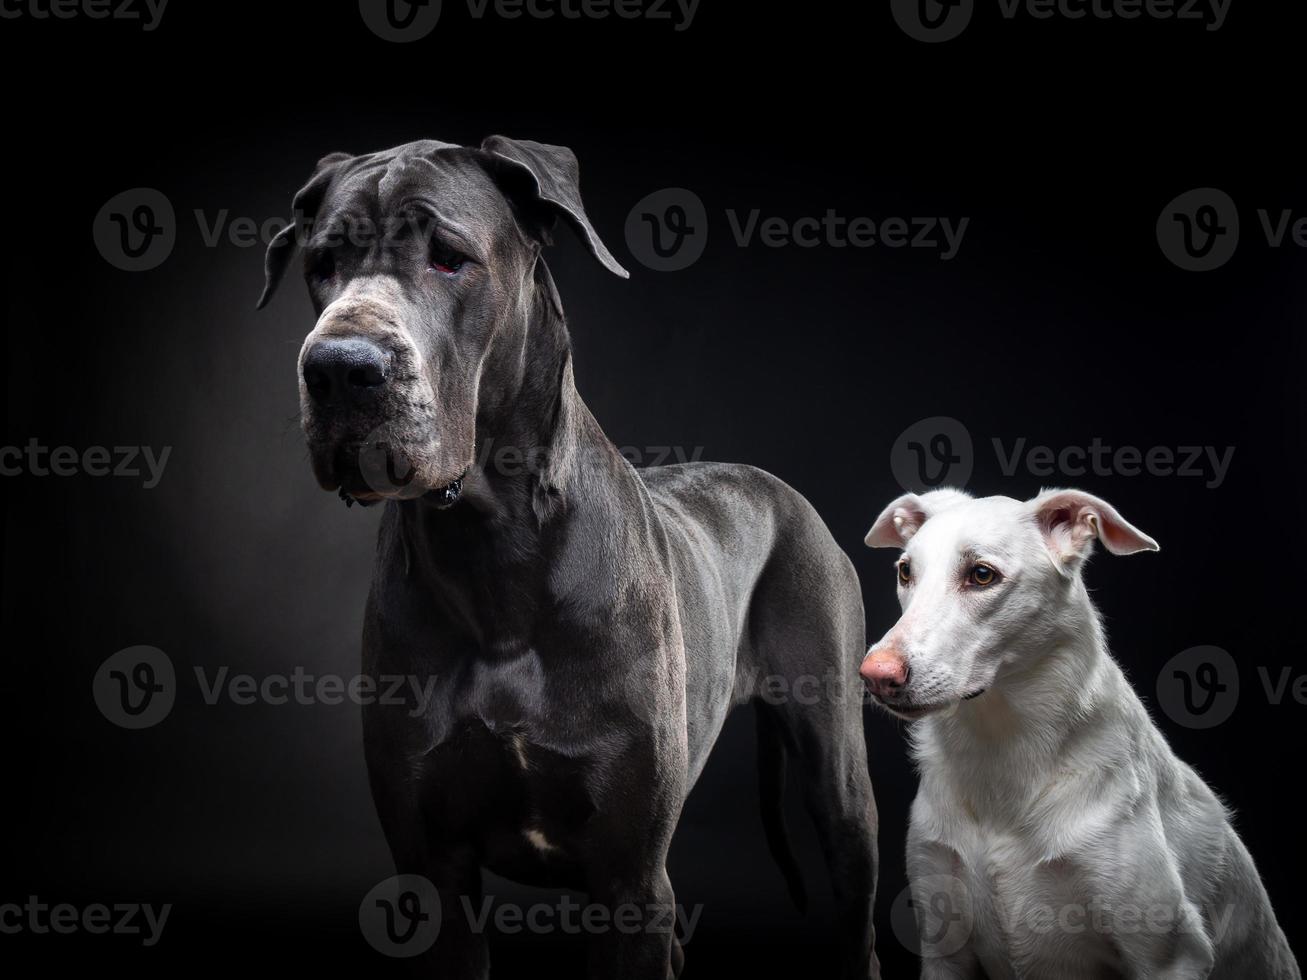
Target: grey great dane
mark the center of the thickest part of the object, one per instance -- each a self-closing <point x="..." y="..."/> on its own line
<point x="586" y="626"/>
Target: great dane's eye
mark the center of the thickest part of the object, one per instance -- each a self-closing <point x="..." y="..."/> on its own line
<point x="981" y="576"/>
<point x="322" y="266"/>
<point x="905" y="572"/>
<point x="445" y="260"/>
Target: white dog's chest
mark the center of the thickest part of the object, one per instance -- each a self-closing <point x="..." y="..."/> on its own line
<point x="1030" y="917"/>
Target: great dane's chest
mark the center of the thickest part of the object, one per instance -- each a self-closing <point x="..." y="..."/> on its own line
<point x="521" y="807"/>
<point x="530" y="730"/>
<point x="500" y="772"/>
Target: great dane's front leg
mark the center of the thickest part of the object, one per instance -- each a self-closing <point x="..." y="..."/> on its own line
<point x="626" y="868"/>
<point x="638" y="941"/>
<point x="460" y="951"/>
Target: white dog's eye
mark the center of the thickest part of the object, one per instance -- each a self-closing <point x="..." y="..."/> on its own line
<point x="905" y="572"/>
<point x="982" y="575"/>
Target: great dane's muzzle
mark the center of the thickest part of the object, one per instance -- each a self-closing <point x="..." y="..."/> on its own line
<point x="367" y="408"/>
<point x="360" y="451"/>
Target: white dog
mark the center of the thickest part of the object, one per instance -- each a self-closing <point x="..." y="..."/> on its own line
<point x="1055" y="834"/>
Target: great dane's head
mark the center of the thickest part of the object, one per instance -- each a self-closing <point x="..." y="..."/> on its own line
<point x="419" y="261"/>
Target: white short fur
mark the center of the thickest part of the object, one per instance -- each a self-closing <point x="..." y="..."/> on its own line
<point x="1055" y="834"/>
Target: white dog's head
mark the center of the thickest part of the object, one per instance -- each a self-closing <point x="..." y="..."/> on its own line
<point x="984" y="585"/>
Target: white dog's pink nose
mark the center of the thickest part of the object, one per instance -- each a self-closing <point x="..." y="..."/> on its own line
<point x="885" y="671"/>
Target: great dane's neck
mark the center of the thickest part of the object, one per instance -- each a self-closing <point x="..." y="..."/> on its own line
<point x="543" y="464"/>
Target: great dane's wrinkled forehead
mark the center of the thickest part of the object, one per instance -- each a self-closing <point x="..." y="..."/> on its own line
<point x="382" y="200"/>
<point x="504" y="194"/>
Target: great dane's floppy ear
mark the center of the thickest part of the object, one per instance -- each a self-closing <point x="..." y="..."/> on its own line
<point x="1071" y="521"/>
<point x="555" y="180"/>
<point x="903" y="518"/>
<point x="304" y="208"/>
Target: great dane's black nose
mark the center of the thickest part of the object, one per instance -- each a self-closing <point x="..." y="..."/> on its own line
<point x="344" y="370"/>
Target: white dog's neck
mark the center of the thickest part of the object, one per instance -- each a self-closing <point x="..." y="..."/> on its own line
<point x="1026" y="725"/>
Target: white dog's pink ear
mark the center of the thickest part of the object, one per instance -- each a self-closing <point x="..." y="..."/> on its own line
<point x="903" y="518"/>
<point x="1071" y="521"/>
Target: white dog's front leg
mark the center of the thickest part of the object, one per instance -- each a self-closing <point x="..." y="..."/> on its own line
<point x="1157" y="928"/>
<point x="945" y="914"/>
<point x="1183" y="955"/>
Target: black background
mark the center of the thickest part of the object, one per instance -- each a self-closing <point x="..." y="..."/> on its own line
<point x="1059" y="321"/>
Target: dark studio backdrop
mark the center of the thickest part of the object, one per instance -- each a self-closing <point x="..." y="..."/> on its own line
<point x="1061" y="320"/>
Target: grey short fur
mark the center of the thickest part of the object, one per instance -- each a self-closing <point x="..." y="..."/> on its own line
<point x="588" y="626"/>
